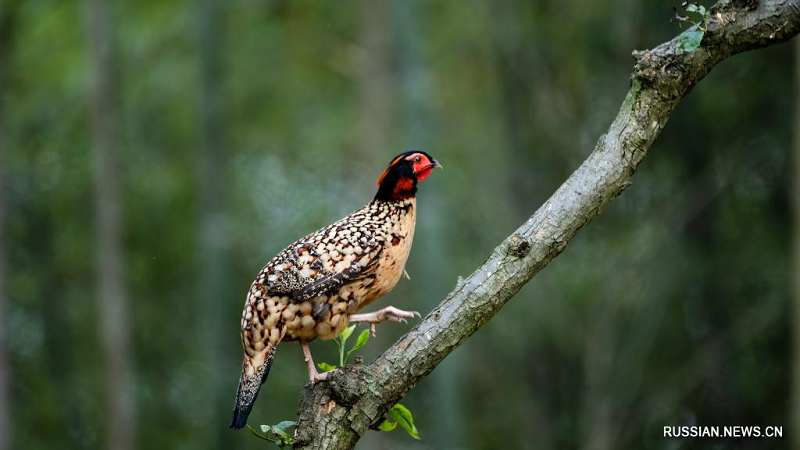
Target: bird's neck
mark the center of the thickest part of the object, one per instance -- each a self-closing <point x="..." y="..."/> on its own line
<point x="396" y="189"/>
<point x="405" y="205"/>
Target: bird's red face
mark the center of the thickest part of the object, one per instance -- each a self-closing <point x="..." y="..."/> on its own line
<point x="400" y="179"/>
<point x="422" y="165"/>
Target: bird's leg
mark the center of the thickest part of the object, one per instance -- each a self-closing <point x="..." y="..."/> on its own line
<point x="313" y="375"/>
<point x="388" y="314"/>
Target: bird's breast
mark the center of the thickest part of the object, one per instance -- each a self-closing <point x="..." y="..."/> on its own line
<point x="397" y="237"/>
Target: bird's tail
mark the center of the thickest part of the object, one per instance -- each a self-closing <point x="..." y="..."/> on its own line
<point x="249" y="386"/>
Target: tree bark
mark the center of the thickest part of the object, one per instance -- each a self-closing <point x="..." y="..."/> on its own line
<point x="336" y="413"/>
<point x="112" y="302"/>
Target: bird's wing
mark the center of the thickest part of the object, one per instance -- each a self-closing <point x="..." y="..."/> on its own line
<point x="312" y="266"/>
<point x="335" y="280"/>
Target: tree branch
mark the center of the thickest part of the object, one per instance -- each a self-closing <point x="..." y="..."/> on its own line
<point x="335" y="414"/>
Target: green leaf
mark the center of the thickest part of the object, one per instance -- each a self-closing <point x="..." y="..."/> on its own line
<point x="701" y="10"/>
<point x="283" y="426"/>
<point x="690" y="40"/>
<point x="692" y="7"/>
<point x="360" y="342"/>
<point x="267" y="437"/>
<point x="325" y="367"/>
<point x="387" y="425"/>
<point x="346" y="333"/>
<point x="403" y="416"/>
<point x="280" y="433"/>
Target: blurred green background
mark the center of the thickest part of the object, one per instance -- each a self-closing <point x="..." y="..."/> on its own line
<point x="240" y="126"/>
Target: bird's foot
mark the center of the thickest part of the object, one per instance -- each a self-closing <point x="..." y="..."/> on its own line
<point x="313" y="375"/>
<point x="388" y="314"/>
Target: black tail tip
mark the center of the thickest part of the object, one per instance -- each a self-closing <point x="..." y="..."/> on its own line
<point x="239" y="419"/>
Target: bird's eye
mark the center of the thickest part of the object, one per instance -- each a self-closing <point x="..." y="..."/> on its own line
<point x="417" y="159"/>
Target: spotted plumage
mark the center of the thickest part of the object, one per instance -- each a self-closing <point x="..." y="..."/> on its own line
<point x="313" y="288"/>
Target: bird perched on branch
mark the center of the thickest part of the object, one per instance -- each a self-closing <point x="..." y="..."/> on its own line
<point x="314" y="287"/>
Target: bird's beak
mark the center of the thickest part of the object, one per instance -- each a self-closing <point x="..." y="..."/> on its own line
<point x="437" y="164"/>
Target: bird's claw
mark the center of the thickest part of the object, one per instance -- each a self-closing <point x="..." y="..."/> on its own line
<point x="317" y="377"/>
<point x="313" y="375"/>
<point x="398" y="315"/>
<point x="388" y="314"/>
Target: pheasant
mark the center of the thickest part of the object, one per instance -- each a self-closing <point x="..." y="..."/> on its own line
<point x="314" y="287"/>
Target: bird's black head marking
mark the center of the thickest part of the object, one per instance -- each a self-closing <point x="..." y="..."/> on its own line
<point x="399" y="180"/>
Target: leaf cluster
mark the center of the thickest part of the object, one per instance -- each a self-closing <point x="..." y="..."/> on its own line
<point x="277" y="434"/>
<point x="341" y="342"/>
<point x="695" y="14"/>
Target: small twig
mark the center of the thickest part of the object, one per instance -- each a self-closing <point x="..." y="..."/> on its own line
<point x="257" y="434"/>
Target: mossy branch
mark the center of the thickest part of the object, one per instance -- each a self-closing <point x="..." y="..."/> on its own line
<point x="335" y="414"/>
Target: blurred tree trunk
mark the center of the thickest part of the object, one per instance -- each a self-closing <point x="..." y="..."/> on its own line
<point x="795" y="413"/>
<point x="601" y="395"/>
<point x="374" y="81"/>
<point x="5" y="367"/>
<point x="519" y="76"/>
<point x="6" y="23"/>
<point x="113" y="306"/>
<point x="598" y="370"/>
<point x="211" y="254"/>
<point x="445" y="402"/>
<point x="375" y="108"/>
